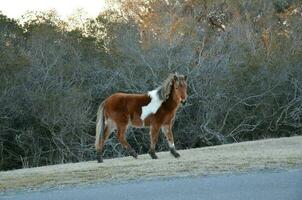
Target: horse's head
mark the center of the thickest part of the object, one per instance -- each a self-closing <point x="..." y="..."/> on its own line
<point x="180" y="87"/>
<point x="174" y="86"/>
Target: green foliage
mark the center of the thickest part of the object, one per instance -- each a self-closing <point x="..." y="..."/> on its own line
<point x="12" y="49"/>
<point x="282" y="5"/>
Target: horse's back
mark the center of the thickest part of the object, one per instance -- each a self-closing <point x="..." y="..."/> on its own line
<point x="125" y="106"/>
<point x="124" y="99"/>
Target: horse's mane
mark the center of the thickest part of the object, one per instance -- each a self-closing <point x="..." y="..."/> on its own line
<point x="165" y="89"/>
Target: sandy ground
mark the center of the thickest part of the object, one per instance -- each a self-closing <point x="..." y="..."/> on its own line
<point x="282" y="153"/>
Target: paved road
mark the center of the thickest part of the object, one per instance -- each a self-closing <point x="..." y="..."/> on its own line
<point x="282" y="185"/>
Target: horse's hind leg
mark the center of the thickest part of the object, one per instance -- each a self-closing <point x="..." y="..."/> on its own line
<point x="122" y="138"/>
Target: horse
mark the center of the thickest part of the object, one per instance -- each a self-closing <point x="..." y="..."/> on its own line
<point x="155" y="110"/>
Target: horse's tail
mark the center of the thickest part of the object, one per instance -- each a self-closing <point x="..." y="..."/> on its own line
<point x="100" y="123"/>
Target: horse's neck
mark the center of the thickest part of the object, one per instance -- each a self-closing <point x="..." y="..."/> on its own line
<point x="171" y="103"/>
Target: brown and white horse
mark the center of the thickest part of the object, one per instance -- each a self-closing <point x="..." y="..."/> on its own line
<point x="155" y="110"/>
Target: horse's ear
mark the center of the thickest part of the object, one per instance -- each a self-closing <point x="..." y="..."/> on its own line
<point x="186" y="77"/>
<point x="175" y="77"/>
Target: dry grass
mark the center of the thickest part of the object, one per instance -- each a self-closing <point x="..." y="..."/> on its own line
<point x="256" y="155"/>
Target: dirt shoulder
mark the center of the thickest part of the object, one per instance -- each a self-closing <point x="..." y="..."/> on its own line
<point x="281" y="153"/>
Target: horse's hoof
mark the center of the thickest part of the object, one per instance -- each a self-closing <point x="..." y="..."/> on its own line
<point x="174" y="153"/>
<point x="153" y="155"/>
<point x="99" y="157"/>
<point x="133" y="153"/>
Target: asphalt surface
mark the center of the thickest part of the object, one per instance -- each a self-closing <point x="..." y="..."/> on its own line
<point x="281" y="185"/>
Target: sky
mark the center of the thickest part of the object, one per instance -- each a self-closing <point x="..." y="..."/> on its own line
<point x="16" y="8"/>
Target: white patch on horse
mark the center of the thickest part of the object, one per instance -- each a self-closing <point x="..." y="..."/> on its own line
<point x="153" y="106"/>
<point x="171" y="145"/>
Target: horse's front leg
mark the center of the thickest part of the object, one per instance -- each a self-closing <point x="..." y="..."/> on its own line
<point x="154" y="132"/>
<point x="167" y="129"/>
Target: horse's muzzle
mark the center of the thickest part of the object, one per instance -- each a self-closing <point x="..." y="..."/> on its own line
<point x="183" y="102"/>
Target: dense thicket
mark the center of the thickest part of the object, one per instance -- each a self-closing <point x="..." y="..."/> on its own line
<point x="243" y="60"/>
